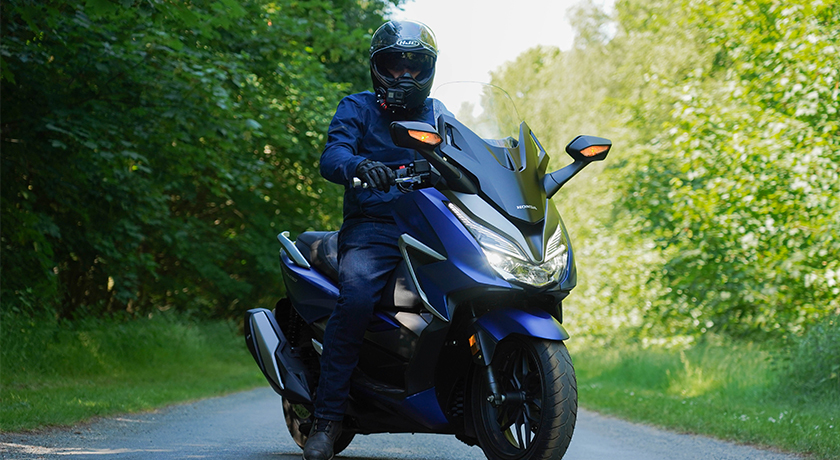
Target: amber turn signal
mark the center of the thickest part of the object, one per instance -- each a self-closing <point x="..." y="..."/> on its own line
<point x="474" y="348"/>
<point x="424" y="137"/>
<point x="594" y="150"/>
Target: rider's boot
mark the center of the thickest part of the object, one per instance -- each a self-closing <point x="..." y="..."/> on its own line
<point x="319" y="446"/>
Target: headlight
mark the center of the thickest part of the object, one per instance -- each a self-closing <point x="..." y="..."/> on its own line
<point x="508" y="260"/>
<point x="516" y="270"/>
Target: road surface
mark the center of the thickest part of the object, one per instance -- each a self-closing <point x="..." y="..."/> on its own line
<point x="250" y="426"/>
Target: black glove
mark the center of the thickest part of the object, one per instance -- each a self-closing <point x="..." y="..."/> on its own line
<point x="376" y="174"/>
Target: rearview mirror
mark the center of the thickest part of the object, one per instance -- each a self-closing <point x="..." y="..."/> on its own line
<point x="582" y="149"/>
<point x="415" y="135"/>
<point x="423" y="138"/>
<point x="588" y="148"/>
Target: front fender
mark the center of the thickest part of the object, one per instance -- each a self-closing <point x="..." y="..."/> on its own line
<point x="493" y="327"/>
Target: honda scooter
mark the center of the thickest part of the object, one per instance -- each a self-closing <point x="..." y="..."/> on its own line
<point x="468" y="338"/>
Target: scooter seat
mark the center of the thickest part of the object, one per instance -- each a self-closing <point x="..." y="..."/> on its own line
<point x="321" y="250"/>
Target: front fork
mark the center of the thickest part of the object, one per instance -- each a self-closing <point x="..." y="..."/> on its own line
<point x="482" y="347"/>
<point x="490" y="329"/>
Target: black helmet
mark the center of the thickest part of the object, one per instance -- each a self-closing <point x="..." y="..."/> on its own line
<point x="408" y="47"/>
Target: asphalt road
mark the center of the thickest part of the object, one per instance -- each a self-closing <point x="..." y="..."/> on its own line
<point x="250" y="426"/>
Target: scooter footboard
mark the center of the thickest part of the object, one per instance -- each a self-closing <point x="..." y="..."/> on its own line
<point x="273" y="353"/>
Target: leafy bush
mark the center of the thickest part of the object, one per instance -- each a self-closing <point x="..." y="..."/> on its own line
<point x="743" y="186"/>
<point x="813" y="363"/>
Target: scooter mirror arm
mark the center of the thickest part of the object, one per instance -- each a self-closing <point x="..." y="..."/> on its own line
<point x="455" y="180"/>
<point x="554" y="181"/>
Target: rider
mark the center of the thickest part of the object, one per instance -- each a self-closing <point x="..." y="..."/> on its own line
<point x="402" y="67"/>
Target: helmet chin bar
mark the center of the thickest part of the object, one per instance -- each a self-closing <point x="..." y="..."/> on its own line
<point x="402" y="97"/>
<point x="396" y="94"/>
<point x="393" y="102"/>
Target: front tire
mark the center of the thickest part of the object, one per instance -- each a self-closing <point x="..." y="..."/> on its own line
<point x="537" y="419"/>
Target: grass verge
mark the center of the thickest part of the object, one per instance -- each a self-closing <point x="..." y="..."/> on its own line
<point x="59" y="373"/>
<point x="735" y="392"/>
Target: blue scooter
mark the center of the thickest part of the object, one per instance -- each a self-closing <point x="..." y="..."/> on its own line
<point x="468" y="337"/>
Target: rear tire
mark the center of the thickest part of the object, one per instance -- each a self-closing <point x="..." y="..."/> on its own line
<point x="298" y="417"/>
<point x="537" y="419"/>
<point x="299" y="421"/>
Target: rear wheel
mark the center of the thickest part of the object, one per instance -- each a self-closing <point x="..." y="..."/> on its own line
<point x="298" y="417"/>
<point x="299" y="421"/>
<point x="537" y="417"/>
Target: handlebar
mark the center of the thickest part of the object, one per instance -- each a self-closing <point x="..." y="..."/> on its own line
<point x="400" y="180"/>
<point x="416" y="173"/>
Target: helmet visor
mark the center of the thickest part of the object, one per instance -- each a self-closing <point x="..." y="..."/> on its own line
<point x="389" y="64"/>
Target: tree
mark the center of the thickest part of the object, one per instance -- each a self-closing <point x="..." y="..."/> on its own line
<point x="718" y="207"/>
<point x="151" y="150"/>
<point x="751" y="172"/>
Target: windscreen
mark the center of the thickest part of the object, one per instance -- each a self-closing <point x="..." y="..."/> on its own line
<point x="485" y="109"/>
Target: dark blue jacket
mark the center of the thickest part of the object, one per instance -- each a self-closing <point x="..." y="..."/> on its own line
<point x="358" y="131"/>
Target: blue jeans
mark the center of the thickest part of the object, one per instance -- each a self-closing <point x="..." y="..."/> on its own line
<point x="367" y="254"/>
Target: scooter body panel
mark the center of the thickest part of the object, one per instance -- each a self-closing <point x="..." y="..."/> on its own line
<point x="273" y="353"/>
<point x="423" y="215"/>
<point x="313" y="294"/>
<point x="531" y="323"/>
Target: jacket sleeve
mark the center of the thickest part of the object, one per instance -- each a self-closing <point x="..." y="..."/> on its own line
<point x="341" y="154"/>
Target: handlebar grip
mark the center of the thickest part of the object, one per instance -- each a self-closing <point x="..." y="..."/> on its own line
<point x="358" y="183"/>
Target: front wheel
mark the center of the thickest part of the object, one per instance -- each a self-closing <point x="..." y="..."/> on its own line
<point x="537" y="417"/>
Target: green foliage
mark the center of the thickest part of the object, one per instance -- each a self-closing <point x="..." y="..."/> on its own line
<point x="152" y="149"/>
<point x="746" y="174"/>
<point x="48" y="348"/>
<point x="719" y="207"/>
<point x="58" y="372"/>
<point x="813" y="365"/>
<point x="728" y="391"/>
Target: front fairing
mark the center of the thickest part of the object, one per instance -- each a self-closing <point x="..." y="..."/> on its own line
<point x="462" y="272"/>
<point x="484" y="136"/>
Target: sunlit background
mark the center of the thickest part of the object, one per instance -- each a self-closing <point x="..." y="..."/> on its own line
<point x="478" y="36"/>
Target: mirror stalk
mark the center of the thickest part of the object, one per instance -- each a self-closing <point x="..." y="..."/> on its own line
<point x="554" y="181"/>
<point x="454" y="178"/>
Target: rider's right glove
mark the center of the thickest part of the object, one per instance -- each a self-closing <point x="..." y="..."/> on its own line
<point x="376" y="174"/>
